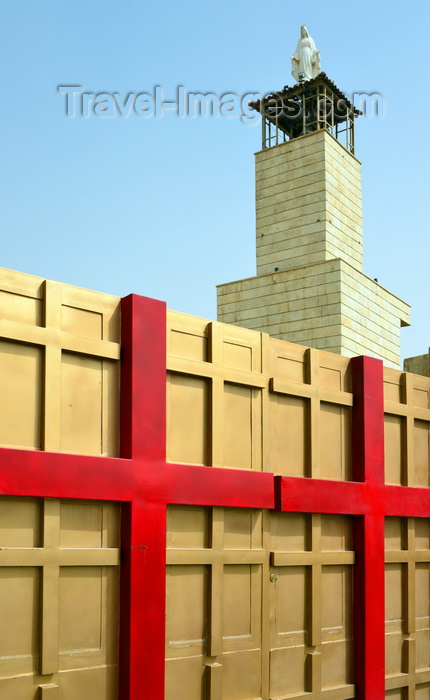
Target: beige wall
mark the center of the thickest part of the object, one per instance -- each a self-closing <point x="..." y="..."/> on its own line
<point x="328" y="305"/>
<point x="308" y="204"/>
<point x="418" y="365"/>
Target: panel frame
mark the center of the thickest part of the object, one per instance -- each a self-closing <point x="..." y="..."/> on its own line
<point x="52" y="341"/>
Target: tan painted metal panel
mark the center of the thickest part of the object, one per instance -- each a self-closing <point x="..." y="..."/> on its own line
<point x="21" y="377"/>
<point x="214" y="394"/>
<point x="59" y="366"/>
<point x="407" y="606"/>
<point x="215" y="626"/>
<point x="311" y="626"/>
<point x="187" y="420"/>
<point x="21" y="308"/>
<point x="407" y="428"/>
<point x="256" y="402"/>
<point x="59" y="594"/>
<point x="407" y="420"/>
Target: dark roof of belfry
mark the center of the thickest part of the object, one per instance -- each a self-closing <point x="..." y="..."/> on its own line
<point x="300" y="87"/>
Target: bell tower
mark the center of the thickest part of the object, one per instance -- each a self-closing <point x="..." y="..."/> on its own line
<point x="308" y="192"/>
<point x="310" y="286"/>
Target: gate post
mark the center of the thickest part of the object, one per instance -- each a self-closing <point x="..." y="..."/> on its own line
<point x="143" y="444"/>
<point x="368" y="467"/>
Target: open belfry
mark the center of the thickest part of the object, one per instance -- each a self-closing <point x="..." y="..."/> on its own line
<point x="310" y="286"/>
<point x="191" y="510"/>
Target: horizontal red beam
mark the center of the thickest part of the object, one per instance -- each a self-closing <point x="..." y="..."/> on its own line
<point x="299" y="494"/>
<point x="212" y="486"/>
<point x="55" y="475"/>
<point x="406" y="501"/>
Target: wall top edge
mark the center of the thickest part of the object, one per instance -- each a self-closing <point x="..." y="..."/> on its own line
<point x="12" y="279"/>
<point x="315" y="135"/>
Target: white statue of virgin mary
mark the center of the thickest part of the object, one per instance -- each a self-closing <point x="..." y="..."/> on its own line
<point x="305" y="62"/>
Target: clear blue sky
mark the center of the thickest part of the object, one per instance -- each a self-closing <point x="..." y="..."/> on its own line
<point x="164" y="207"/>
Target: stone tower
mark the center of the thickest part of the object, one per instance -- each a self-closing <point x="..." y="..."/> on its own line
<point x="310" y="286"/>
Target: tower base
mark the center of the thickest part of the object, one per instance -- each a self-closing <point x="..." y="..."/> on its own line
<point x="328" y="305"/>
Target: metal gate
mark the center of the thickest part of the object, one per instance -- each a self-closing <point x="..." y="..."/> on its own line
<point x="298" y="593"/>
<point x="283" y="515"/>
<point x="259" y="604"/>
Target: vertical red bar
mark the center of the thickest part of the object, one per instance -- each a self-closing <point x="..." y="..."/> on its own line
<point x="368" y="419"/>
<point x="143" y="594"/>
<point x="143" y="378"/>
<point x="368" y="466"/>
<point x="125" y="603"/>
<point x="368" y="616"/>
<point x="147" y="600"/>
<point x="143" y="442"/>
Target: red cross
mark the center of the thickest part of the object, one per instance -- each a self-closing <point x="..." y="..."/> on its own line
<point x="145" y="483"/>
<point x="371" y="501"/>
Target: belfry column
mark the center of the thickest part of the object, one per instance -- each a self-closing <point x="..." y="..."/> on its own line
<point x="308" y="204"/>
